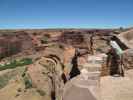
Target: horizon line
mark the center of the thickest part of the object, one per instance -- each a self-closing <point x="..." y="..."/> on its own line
<point x="36" y="28"/>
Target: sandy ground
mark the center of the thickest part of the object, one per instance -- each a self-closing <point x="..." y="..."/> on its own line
<point x="38" y="79"/>
<point x="10" y="92"/>
<point x="117" y="88"/>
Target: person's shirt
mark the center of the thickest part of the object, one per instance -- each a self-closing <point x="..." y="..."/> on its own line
<point x="116" y="47"/>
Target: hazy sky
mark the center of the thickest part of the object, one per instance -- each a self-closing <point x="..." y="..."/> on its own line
<point x="65" y="13"/>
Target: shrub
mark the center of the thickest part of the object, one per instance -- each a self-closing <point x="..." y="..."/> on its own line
<point x="41" y="92"/>
<point x="3" y="81"/>
<point x="27" y="82"/>
<point x="16" y="63"/>
<point x="45" y="38"/>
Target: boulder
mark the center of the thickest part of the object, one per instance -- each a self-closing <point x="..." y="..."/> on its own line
<point x="82" y="87"/>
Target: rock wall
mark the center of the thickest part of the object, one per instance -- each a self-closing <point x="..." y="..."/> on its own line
<point x="128" y="59"/>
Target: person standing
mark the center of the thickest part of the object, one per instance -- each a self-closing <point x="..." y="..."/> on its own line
<point x="115" y="57"/>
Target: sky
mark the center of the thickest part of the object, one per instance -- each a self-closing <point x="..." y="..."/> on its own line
<point x="23" y="14"/>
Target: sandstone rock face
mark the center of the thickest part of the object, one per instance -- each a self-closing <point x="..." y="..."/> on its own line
<point x="9" y="46"/>
<point x="13" y="43"/>
<point x="46" y="76"/>
<point x="127" y="38"/>
<point x="74" y="38"/>
<point x="128" y="59"/>
<point x="80" y="89"/>
<point x="68" y="54"/>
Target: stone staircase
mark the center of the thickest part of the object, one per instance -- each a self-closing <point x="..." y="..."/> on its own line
<point x="86" y="86"/>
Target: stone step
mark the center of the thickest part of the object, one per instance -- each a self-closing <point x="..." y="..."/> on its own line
<point x="85" y="83"/>
<point x="90" y="75"/>
<point x="92" y="67"/>
<point x="94" y="75"/>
